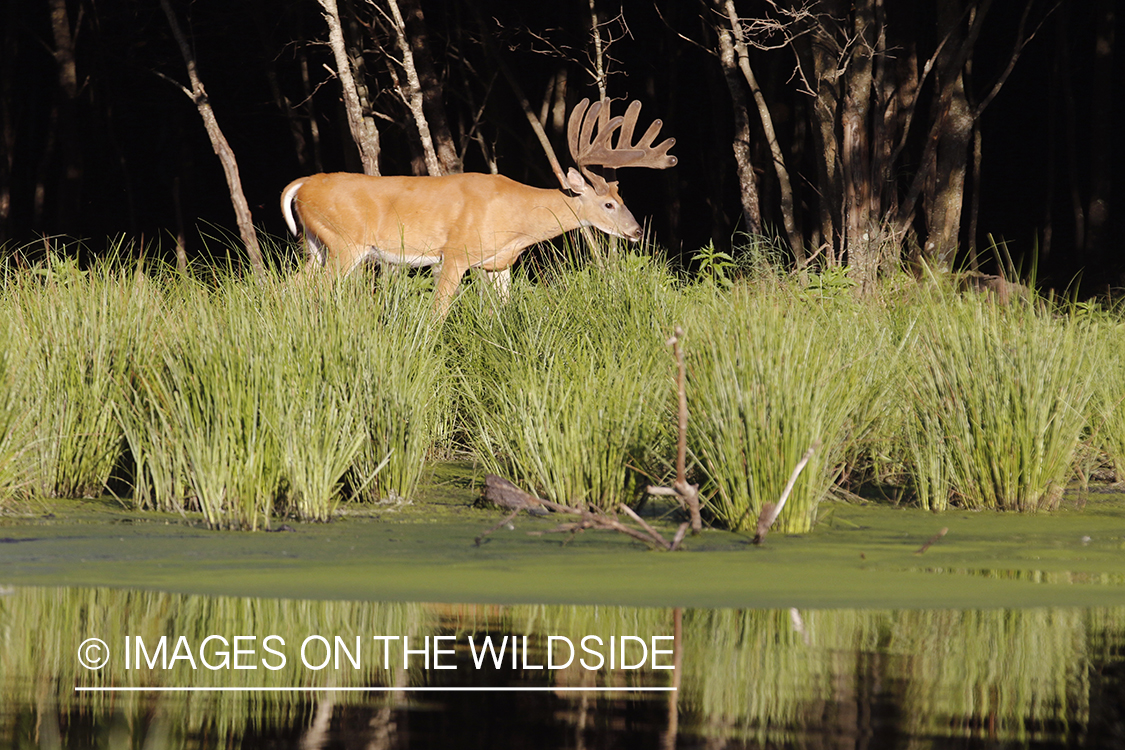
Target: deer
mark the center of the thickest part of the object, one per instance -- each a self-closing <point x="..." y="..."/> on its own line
<point x="459" y="222"/>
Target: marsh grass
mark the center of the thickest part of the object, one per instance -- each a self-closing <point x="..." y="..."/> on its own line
<point x="1106" y="413"/>
<point x="567" y="388"/>
<point x="997" y="398"/>
<point x="268" y="399"/>
<point x="768" y="377"/>
<point x="75" y="334"/>
<point x="15" y="420"/>
<point x="250" y="398"/>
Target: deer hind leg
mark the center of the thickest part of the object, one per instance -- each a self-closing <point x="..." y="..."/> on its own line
<point x="501" y="283"/>
<point x="314" y="259"/>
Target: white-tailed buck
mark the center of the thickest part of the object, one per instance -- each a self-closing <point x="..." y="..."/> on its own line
<point x="464" y="221"/>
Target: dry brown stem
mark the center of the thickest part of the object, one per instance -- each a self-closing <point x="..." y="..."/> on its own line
<point x="932" y="541"/>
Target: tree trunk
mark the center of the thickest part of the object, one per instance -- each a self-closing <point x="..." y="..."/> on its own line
<point x="751" y="210"/>
<point x="412" y="92"/>
<point x="219" y="142"/>
<point x="7" y="122"/>
<point x="68" y="198"/>
<point x="861" y="223"/>
<point x="788" y="212"/>
<point x="816" y="54"/>
<point x="362" y="126"/>
<point x="950" y="63"/>
<point x="943" y="194"/>
<point x="432" y="90"/>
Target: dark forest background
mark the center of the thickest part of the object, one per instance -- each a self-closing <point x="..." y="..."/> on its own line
<point x="869" y="132"/>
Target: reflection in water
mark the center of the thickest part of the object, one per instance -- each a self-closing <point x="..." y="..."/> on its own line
<point x="745" y="678"/>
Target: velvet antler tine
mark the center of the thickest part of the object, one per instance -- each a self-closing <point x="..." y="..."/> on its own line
<point x="631" y="115"/>
<point x="574" y="128"/>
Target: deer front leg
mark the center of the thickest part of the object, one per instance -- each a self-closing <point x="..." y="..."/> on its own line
<point x="452" y="270"/>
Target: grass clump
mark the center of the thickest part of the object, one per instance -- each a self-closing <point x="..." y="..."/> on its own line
<point x="996" y="403"/>
<point x="249" y="399"/>
<point x="768" y="377"/>
<point x="567" y="388"/>
<point x="269" y="399"/>
<point x="74" y="334"/>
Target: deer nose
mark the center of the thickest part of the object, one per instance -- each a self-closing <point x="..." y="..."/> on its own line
<point x="634" y="234"/>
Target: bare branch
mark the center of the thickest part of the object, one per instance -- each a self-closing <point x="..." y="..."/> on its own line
<point x="1018" y="47"/>
<point x="412" y="94"/>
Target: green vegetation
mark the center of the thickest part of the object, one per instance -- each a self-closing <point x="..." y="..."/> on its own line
<point x="253" y="399"/>
<point x="766" y="382"/>
<point x="567" y="389"/>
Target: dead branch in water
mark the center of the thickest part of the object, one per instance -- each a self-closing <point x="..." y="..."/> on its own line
<point x="688" y="494"/>
<point x="501" y="492"/>
<point x="771" y="511"/>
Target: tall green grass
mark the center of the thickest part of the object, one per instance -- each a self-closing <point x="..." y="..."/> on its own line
<point x="997" y="400"/>
<point x="769" y="376"/>
<point x="269" y="398"/>
<point x="249" y="399"/>
<point x="568" y="387"/>
<point x="1106" y="414"/>
<point x="74" y="334"/>
<point x="15" y="420"/>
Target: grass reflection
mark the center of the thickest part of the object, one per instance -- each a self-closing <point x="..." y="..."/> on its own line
<point x="746" y="676"/>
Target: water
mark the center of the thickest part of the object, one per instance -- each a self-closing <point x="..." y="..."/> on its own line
<point x="753" y="678"/>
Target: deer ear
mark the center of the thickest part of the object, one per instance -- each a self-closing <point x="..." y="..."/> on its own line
<point x="576" y="181"/>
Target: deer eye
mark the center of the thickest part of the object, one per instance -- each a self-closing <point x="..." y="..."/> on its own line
<point x="609" y="205"/>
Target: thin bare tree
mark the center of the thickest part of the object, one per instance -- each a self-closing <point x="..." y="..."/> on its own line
<point x="198" y="95"/>
<point x="356" y="104"/>
<point x="744" y="167"/>
<point x="788" y="213"/>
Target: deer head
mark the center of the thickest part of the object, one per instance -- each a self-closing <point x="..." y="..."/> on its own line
<point x="598" y="158"/>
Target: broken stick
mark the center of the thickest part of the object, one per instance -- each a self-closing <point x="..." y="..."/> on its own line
<point x="771" y="511"/>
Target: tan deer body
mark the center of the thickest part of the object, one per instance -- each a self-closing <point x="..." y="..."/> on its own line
<point x="464" y="221"/>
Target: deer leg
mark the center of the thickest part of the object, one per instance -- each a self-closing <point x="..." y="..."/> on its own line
<point x="501" y="283"/>
<point x="448" y="281"/>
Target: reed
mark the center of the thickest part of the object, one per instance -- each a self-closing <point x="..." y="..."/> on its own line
<point x="768" y="377"/>
<point x="568" y="387"/>
<point x="76" y="333"/>
<point x="997" y="400"/>
<point x="1106" y="413"/>
<point x="250" y="398"/>
<point x="269" y="399"/>
<point x="15" y="420"/>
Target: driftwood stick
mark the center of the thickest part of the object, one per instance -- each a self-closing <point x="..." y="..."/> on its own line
<point x="770" y="511"/>
<point x="679" y="537"/>
<point x="932" y="541"/>
<point x="629" y="531"/>
<point x="651" y="531"/>
<point x="499" y="491"/>
<point x="689" y="493"/>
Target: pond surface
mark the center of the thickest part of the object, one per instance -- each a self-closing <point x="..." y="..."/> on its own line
<point x="326" y="674"/>
<point x="1009" y="631"/>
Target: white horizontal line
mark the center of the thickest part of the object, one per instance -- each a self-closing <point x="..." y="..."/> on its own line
<point x="529" y="689"/>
